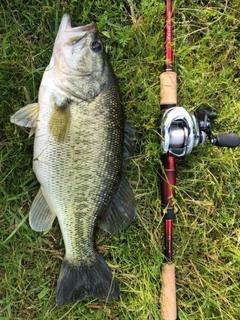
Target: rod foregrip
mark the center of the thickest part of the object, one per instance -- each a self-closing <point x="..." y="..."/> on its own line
<point x="168" y="89"/>
<point x="168" y="293"/>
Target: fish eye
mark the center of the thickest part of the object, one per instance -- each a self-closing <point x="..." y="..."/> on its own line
<point x="96" y="46"/>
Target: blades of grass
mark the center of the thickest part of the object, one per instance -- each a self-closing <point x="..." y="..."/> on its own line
<point x="23" y="220"/>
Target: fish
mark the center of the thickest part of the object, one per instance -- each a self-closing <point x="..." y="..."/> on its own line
<point x="82" y="146"/>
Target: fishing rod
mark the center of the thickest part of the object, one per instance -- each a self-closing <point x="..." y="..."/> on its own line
<point x="168" y="100"/>
<point x="180" y="132"/>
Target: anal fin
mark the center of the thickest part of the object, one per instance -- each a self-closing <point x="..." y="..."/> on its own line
<point x="40" y="216"/>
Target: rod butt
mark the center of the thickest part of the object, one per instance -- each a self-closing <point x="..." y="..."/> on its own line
<point x="168" y="293"/>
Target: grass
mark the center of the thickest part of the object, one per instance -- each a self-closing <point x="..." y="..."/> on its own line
<point x="206" y="230"/>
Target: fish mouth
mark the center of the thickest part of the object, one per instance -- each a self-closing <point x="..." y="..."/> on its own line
<point x="75" y="35"/>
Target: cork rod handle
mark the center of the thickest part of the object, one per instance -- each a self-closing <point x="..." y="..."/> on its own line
<point x="168" y="293"/>
<point x="168" y="88"/>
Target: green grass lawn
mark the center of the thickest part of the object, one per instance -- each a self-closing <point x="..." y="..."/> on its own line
<point x="206" y="230"/>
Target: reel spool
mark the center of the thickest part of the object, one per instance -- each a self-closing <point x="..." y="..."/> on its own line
<point x="181" y="131"/>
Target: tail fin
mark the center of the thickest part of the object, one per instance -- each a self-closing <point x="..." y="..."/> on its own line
<point x="94" y="280"/>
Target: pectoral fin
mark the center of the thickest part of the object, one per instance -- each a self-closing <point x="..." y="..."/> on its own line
<point x="121" y="210"/>
<point x="26" y="117"/>
<point x="40" y="216"/>
<point x="59" y="122"/>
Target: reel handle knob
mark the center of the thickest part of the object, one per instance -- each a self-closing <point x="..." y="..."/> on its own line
<point x="229" y="140"/>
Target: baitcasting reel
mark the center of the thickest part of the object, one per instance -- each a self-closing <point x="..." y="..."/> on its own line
<point x="182" y="131"/>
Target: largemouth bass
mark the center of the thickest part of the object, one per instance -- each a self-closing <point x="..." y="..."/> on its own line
<point x="81" y="147"/>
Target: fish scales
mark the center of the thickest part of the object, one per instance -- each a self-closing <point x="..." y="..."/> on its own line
<point x="81" y="148"/>
<point x="89" y="168"/>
